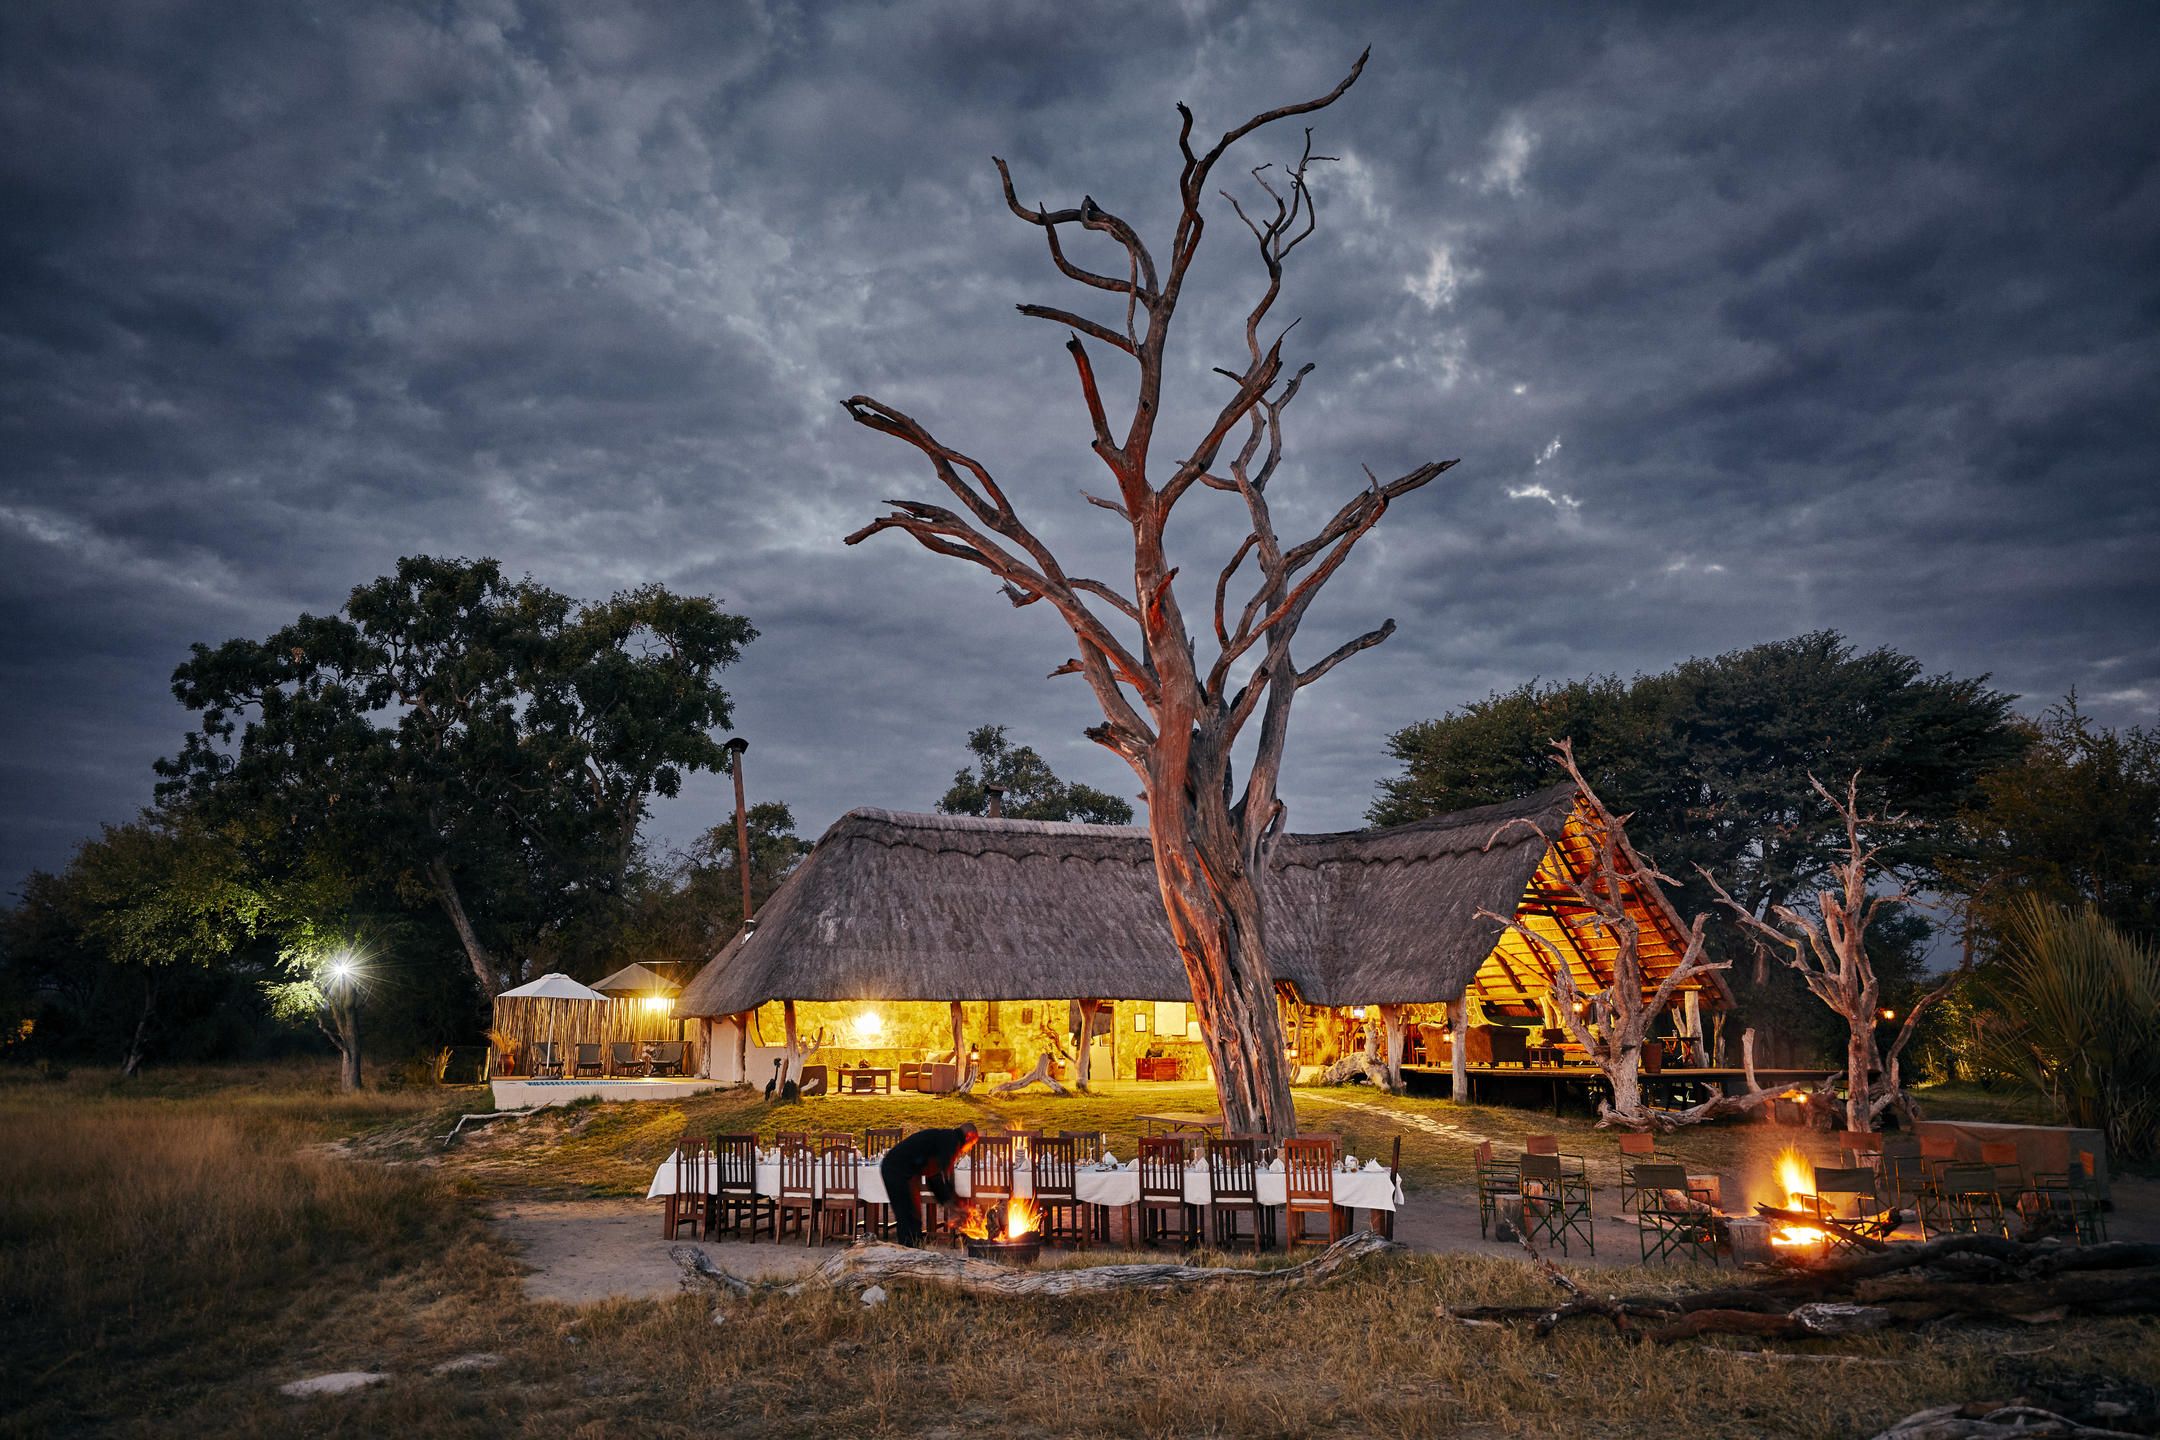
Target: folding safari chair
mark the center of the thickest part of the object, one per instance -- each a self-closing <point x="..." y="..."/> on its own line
<point x="1669" y="1221"/>
<point x="1863" y="1218"/>
<point x="1555" y="1201"/>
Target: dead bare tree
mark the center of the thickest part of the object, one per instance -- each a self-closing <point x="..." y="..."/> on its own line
<point x="1831" y="955"/>
<point x="1168" y="713"/>
<point x="1610" y="1024"/>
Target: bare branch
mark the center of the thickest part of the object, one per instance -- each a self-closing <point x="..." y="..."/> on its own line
<point x="1344" y="651"/>
<point x="1080" y="323"/>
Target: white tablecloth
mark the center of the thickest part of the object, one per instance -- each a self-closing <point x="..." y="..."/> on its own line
<point x="1373" y="1189"/>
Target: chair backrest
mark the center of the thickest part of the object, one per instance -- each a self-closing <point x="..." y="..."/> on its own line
<point x="1394" y="1164"/>
<point x="1056" y="1167"/>
<point x="668" y="1052"/>
<point x="838" y="1161"/>
<point x="737" y="1155"/>
<point x="878" y="1139"/>
<point x="1337" y="1145"/>
<point x="992" y="1159"/>
<point x="798" y="1171"/>
<point x="1999" y="1152"/>
<point x="1545" y="1168"/>
<point x="1860" y="1142"/>
<point x="783" y="1138"/>
<point x="1484" y="1153"/>
<point x="1900" y="1147"/>
<point x="1845" y="1180"/>
<point x="1938" y="1147"/>
<point x="2087" y="1169"/>
<point x="1542" y="1145"/>
<point x="1632" y="1143"/>
<point x="834" y="1140"/>
<point x="588" y="1054"/>
<point x="623" y="1051"/>
<point x="1655" y="1179"/>
<point x="693" y="1161"/>
<point x="1089" y="1141"/>
<point x="1968" y="1179"/>
<point x="1162" y="1167"/>
<point x="1309" y="1168"/>
<point x="544" y="1053"/>
<point x="1233" y="1164"/>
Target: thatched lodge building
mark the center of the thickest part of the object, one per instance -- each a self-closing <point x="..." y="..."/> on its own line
<point x="900" y="932"/>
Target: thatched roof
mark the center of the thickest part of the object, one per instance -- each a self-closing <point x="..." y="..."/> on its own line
<point x="894" y="906"/>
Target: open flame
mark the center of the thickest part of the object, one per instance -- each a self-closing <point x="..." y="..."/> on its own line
<point x="1019" y="1215"/>
<point x="1797" y="1179"/>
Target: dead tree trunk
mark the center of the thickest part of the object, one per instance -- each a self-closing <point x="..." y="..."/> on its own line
<point x="1171" y="714"/>
<point x="483" y="966"/>
<point x="1610" y="1024"/>
<point x="1391" y="1046"/>
<point x="1083" y="1065"/>
<point x="1829" y="950"/>
<point x="1459" y="1061"/>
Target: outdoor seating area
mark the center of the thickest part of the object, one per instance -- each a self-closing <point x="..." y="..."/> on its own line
<point x="1180" y="1190"/>
<point x="1878" y="1190"/>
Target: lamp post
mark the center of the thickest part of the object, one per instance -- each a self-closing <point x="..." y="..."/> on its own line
<point x="345" y="1014"/>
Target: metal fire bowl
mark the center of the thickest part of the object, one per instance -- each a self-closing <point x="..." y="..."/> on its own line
<point x="1006" y="1252"/>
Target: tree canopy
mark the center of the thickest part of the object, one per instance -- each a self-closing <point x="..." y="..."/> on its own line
<point x="1032" y="790"/>
<point x="485" y="742"/>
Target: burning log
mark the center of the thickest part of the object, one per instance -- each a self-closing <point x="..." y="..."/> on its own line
<point x="1851" y="1231"/>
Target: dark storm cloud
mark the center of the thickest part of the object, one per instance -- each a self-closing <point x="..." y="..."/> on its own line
<point x="1743" y="322"/>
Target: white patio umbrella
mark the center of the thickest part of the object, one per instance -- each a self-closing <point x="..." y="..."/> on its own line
<point x="553" y="987"/>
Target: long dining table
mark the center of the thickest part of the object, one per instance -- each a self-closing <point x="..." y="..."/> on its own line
<point x="1111" y="1185"/>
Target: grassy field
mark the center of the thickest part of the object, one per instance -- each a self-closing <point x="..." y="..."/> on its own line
<point x="172" y="1250"/>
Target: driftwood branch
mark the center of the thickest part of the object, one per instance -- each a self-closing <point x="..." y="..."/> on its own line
<point x="1040" y="1075"/>
<point x="869" y="1263"/>
<point x="476" y="1121"/>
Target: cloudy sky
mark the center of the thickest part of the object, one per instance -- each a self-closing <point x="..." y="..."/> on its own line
<point x="1743" y="321"/>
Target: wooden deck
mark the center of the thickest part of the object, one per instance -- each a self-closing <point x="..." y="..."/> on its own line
<point x="1516" y="1084"/>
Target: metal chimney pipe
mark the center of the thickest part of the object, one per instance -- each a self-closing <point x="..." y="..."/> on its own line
<point x="997" y="800"/>
<point x="735" y="749"/>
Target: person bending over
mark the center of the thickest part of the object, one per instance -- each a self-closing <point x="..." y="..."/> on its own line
<point x="926" y="1156"/>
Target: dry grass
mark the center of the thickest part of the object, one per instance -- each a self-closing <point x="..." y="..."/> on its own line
<point x="172" y="1253"/>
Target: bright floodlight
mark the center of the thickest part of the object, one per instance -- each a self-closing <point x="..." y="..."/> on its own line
<point x="341" y="967"/>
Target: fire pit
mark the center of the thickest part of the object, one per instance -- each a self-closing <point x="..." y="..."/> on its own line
<point x="1793" y="1242"/>
<point x="1009" y="1232"/>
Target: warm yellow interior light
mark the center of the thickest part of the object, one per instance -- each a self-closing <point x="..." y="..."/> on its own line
<point x="869" y="1027"/>
<point x="656" y="1002"/>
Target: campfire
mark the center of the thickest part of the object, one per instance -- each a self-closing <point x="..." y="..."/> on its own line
<point x="1009" y="1231"/>
<point x="1797" y="1179"/>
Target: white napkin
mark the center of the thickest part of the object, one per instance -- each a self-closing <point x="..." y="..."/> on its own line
<point x="1274" y="1167"/>
<point x="1374" y="1165"/>
<point x="1109" y="1161"/>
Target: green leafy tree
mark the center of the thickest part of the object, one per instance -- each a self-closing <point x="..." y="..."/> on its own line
<point x="690" y="906"/>
<point x="1711" y="763"/>
<point x="136" y="919"/>
<point x="1032" y="790"/>
<point x="2075" y="821"/>
<point x="484" y="743"/>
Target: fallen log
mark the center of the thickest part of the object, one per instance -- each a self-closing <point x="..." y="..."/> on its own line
<point x="873" y="1263"/>
<point x="476" y="1121"/>
<point x="1821" y="1320"/>
<point x="1991" y="1420"/>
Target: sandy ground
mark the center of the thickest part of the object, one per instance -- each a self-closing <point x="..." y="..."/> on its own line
<point x="587" y="1250"/>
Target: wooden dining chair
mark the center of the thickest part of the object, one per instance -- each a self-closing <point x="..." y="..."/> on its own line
<point x="833" y="1140"/>
<point x="1309" y="1188"/>
<point x="689" y="1204"/>
<point x="740" y="1210"/>
<point x="877" y="1139"/>
<point x="840" y="1208"/>
<point x="1234" y="1189"/>
<point x="1089" y="1141"/>
<point x="992" y="1161"/>
<point x="1164" y="1216"/>
<point x="797" y="1201"/>
<point x="783" y="1138"/>
<point x="1065" y="1220"/>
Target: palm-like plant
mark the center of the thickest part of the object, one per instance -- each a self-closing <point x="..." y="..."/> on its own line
<point x="2077" y="1005"/>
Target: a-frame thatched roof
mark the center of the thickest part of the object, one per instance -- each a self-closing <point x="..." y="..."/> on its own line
<point x="895" y="906"/>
